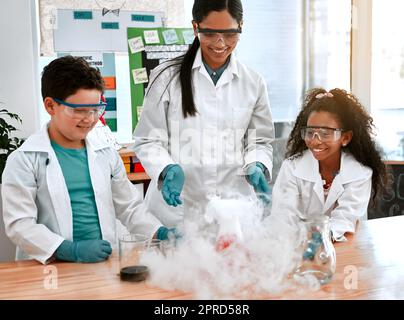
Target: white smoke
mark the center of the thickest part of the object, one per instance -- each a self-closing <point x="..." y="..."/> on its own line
<point x="231" y="252"/>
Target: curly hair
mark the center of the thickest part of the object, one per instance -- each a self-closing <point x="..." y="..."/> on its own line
<point x="352" y="116"/>
<point x="66" y="75"/>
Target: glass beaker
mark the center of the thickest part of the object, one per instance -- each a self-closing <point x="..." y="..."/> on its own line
<point x="318" y="256"/>
<point x="154" y="245"/>
<point x="131" y="246"/>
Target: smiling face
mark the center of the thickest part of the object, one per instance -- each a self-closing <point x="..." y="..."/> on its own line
<point x="66" y="130"/>
<point x="321" y="150"/>
<point x="215" y="53"/>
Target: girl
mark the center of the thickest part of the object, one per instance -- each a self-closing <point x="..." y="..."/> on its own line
<point x="332" y="163"/>
<point x="206" y="125"/>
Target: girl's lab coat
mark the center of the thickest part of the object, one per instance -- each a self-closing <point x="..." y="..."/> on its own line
<point x="36" y="204"/>
<point x="299" y="191"/>
<point x="211" y="147"/>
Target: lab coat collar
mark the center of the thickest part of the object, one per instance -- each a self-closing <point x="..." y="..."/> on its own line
<point x="351" y="170"/>
<point x="233" y="67"/>
<point x="40" y="142"/>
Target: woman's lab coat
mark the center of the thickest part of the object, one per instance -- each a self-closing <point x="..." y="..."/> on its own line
<point x="36" y="204"/>
<point x="299" y="191"/>
<point x="211" y="147"/>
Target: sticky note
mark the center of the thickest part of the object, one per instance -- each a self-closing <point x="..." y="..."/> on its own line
<point x="136" y="44"/>
<point x="83" y="15"/>
<point x="188" y="36"/>
<point x="142" y="18"/>
<point x="109" y="25"/>
<point x="170" y="36"/>
<point x="140" y="75"/>
<point x="151" y="36"/>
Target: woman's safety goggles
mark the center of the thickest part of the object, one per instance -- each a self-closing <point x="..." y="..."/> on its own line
<point x="324" y="134"/>
<point x="82" y="111"/>
<point x="229" y="36"/>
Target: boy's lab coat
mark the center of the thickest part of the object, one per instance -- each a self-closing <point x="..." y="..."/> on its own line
<point x="36" y="204"/>
<point x="299" y="191"/>
<point x="212" y="147"/>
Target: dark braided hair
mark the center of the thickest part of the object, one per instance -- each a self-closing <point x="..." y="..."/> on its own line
<point x="352" y="116"/>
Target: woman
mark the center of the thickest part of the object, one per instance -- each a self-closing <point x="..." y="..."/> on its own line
<point x="206" y="125"/>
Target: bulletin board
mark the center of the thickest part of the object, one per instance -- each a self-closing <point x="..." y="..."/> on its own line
<point x="391" y="202"/>
<point x="148" y="47"/>
<point x="91" y="31"/>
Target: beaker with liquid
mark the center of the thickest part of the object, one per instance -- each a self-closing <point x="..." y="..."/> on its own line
<point x="131" y="247"/>
<point x="318" y="253"/>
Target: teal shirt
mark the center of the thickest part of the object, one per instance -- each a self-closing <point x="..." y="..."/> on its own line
<point x="216" y="74"/>
<point x="76" y="172"/>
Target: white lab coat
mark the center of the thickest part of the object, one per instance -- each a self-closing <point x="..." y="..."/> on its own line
<point x="211" y="147"/>
<point x="36" y="204"/>
<point x="299" y="190"/>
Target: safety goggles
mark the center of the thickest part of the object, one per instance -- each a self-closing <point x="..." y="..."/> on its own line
<point x="229" y="36"/>
<point x="324" y="134"/>
<point x="82" y="111"/>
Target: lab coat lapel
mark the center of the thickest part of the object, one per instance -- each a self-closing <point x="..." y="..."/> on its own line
<point x="229" y="72"/>
<point x="98" y="182"/>
<point x="59" y="196"/>
<point x="319" y="191"/>
<point x="307" y="169"/>
<point x="334" y="193"/>
<point x="350" y="170"/>
<point x="198" y="64"/>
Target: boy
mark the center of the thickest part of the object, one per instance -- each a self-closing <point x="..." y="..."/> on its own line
<point x="61" y="189"/>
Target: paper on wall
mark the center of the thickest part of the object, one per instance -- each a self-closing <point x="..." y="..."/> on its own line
<point x="136" y="44"/>
<point x="140" y="75"/>
<point x="170" y="36"/>
<point x="189" y="36"/>
<point x="151" y="36"/>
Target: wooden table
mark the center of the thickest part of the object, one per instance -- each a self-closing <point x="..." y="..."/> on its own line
<point x="376" y="252"/>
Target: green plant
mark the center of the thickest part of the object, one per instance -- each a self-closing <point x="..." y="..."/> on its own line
<point x="7" y="143"/>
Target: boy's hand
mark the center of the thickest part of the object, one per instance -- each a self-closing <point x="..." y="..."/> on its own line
<point x="84" y="251"/>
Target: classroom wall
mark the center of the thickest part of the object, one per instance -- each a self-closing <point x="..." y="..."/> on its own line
<point x="18" y="62"/>
<point x="19" y="54"/>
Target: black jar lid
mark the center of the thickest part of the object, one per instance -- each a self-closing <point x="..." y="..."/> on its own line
<point x="134" y="273"/>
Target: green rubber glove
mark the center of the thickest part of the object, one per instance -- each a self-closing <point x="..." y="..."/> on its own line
<point x="256" y="178"/>
<point x="84" y="251"/>
<point x="164" y="233"/>
<point x="173" y="183"/>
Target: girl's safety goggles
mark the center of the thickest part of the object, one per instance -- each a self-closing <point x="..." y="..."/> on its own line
<point x="82" y="111"/>
<point x="229" y="36"/>
<point x="324" y="134"/>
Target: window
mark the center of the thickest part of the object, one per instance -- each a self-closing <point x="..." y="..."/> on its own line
<point x="387" y="80"/>
<point x="296" y="45"/>
<point x="329" y="44"/>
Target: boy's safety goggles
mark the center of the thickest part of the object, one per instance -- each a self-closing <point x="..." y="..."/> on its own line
<point x="82" y="111"/>
<point x="229" y="36"/>
<point x="324" y="134"/>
